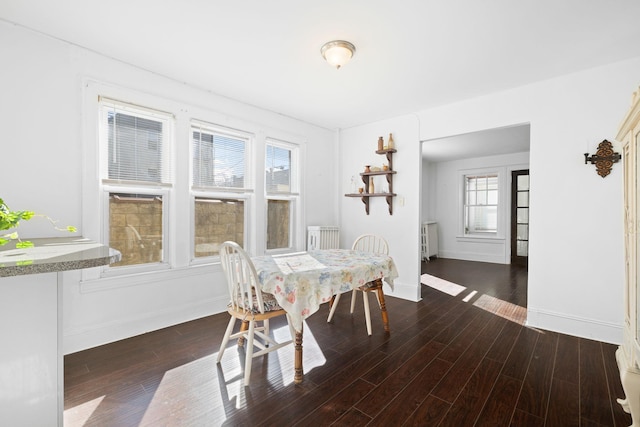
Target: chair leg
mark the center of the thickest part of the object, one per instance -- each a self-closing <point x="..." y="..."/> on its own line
<point x="249" y="353"/>
<point x="333" y="307"/>
<point x="243" y="327"/>
<point x="225" y="339"/>
<point x="383" y="309"/>
<point x="265" y="323"/>
<point x="367" y="314"/>
<point x="354" y="294"/>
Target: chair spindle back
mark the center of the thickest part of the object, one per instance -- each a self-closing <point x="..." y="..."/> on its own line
<point x="241" y="278"/>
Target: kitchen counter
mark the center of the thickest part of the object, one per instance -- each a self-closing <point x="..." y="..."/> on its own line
<point x="32" y="282"/>
<point x="53" y="255"/>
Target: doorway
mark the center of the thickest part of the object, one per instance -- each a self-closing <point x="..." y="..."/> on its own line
<point x="520" y="217"/>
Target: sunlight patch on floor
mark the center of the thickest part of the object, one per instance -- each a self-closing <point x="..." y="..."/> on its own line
<point x="494" y="305"/>
<point x="80" y="414"/>
<point x="204" y="383"/>
<point x="501" y="308"/>
<point x="442" y="285"/>
<point x="468" y="297"/>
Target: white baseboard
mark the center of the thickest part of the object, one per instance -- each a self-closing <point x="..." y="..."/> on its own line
<point x="98" y="334"/>
<point x="575" y="326"/>
<point x="408" y="291"/>
<point x="472" y="256"/>
<point x="89" y="336"/>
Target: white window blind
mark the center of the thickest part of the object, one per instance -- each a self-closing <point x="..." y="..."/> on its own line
<point x="278" y="178"/>
<point x="137" y="143"/>
<point x="219" y="158"/>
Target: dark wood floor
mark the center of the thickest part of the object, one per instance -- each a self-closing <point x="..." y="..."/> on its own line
<point x="456" y="358"/>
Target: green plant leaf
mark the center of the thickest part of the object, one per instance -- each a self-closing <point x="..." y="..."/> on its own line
<point x="25" y="244"/>
<point x="27" y="215"/>
<point x="11" y="219"/>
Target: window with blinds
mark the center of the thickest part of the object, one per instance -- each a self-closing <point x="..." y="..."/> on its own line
<point x="280" y="187"/>
<point x="158" y="168"/>
<point x="219" y="158"/>
<point x="137" y="143"/>
<point x="481" y="204"/>
<point x="220" y="183"/>
<point x="278" y="169"/>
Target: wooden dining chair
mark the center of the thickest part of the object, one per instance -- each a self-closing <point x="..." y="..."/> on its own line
<point x="249" y="305"/>
<point x="378" y="245"/>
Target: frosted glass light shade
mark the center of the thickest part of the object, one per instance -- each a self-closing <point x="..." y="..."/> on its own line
<point x="338" y="52"/>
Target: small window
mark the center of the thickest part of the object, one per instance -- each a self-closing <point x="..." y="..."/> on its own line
<point x="278" y="169"/>
<point x="280" y="187"/>
<point x="278" y="223"/>
<point x="137" y="140"/>
<point x="481" y="204"/>
<point x="136" y="227"/>
<point x="216" y="221"/>
<point x="218" y="158"/>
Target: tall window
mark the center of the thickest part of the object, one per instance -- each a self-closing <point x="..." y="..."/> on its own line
<point x="281" y="189"/>
<point x="219" y="186"/>
<point x="481" y="204"/>
<point x="166" y="185"/>
<point x="136" y="172"/>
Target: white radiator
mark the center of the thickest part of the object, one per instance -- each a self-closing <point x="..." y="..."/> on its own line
<point x="322" y="237"/>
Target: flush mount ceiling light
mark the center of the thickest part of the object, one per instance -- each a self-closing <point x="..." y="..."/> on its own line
<point x="337" y="52"/>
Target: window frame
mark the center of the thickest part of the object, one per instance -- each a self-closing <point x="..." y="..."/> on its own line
<point x="164" y="264"/>
<point x="213" y="192"/>
<point x="501" y="206"/>
<point x="196" y="194"/>
<point x="468" y="206"/>
<point x="248" y="137"/>
<point x="109" y="185"/>
<point x="147" y="112"/>
<point x="293" y="195"/>
<point x="178" y="196"/>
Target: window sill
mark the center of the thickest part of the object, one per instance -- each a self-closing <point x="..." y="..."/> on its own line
<point x="481" y="239"/>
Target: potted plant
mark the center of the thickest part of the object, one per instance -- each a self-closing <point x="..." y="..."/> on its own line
<point x="11" y="219"/>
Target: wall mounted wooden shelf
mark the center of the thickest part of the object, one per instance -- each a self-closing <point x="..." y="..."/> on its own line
<point x="388" y="174"/>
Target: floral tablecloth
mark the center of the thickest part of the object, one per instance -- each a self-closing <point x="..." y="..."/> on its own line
<point x="303" y="281"/>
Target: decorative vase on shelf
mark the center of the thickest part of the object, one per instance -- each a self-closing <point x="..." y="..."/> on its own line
<point x="380" y="144"/>
<point x="371" y="187"/>
<point x="390" y="143"/>
<point x="367" y="169"/>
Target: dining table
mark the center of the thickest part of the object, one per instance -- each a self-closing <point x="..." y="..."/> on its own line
<point x="302" y="281"/>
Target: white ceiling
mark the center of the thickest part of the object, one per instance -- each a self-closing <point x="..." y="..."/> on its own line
<point x="411" y="55"/>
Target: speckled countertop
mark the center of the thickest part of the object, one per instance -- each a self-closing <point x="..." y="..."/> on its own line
<point x="55" y="254"/>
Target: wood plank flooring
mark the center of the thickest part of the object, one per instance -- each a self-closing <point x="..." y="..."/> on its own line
<point x="458" y="358"/>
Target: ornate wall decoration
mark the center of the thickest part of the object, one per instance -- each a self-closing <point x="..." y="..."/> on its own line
<point x="604" y="158"/>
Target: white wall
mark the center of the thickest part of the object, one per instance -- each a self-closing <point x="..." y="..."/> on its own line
<point x="357" y="149"/>
<point x="42" y="143"/>
<point x="448" y="207"/>
<point x="576" y="248"/>
<point x="575" y="264"/>
<point x="429" y="190"/>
